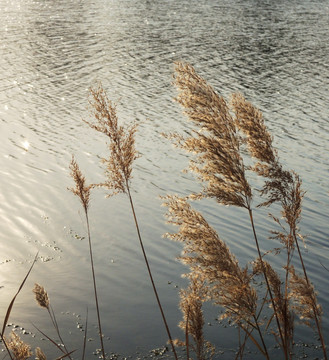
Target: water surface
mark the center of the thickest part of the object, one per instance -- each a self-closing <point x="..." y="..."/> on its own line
<point x="275" y="53"/>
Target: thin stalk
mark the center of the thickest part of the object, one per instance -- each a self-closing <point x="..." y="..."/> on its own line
<point x="241" y="346"/>
<point x="85" y="337"/>
<point x="6" y="346"/>
<point x="51" y="340"/>
<point x="261" y="338"/>
<point x="186" y="336"/>
<point x="149" y="270"/>
<point x="286" y="305"/>
<point x="267" y="284"/>
<point x="53" y="320"/>
<point x="94" y="282"/>
<point x="313" y="300"/>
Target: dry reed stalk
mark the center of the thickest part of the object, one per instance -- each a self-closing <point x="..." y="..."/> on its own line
<point x="221" y="132"/>
<point x="228" y="285"/>
<point x="83" y="192"/>
<point x="280" y="186"/>
<point x="216" y="145"/>
<point x="119" y="165"/>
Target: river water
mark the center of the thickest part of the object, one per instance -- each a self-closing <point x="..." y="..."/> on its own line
<point x="275" y="53"/>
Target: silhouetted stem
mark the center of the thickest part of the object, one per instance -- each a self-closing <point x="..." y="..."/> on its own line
<point x="186" y="336"/>
<point x="94" y="282"/>
<point x="313" y="300"/>
<point x="267" y="284"/>
<point x="53" y="320"/>
<point x="149" y="271"/>
<point x="286" y="304"/>
<point x="261" y="338"/>
<point x="6" y="346"/>
<point x="85" y="338"/>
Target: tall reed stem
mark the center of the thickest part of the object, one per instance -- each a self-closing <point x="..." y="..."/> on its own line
<point x="149" y="270"/>
<point x="54" y="322"/>
<point x="317" y="322"/>
<point x="261" y="338"/>
<point x="94" y="282"/>
<point x="285" y="349"/>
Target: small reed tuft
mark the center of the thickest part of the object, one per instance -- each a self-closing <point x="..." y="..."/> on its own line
<point x="40" y="354"/>
<point x="191" y="301"/>
<point x="20" y="350"/>
<point x="41" y="296"/>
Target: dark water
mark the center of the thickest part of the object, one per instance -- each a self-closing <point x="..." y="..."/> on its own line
<point x="275" y="53"/>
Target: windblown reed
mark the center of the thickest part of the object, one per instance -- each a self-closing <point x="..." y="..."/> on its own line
<point x="221" y="132"/>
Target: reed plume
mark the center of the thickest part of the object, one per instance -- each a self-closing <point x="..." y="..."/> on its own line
<point x="218" y="163"/>
<point x="40" y="354"/>
<point x="228" y="285"/>
<point x="81" y="190"/>
<point x="216" y="145"/>
<point x="205" y="253"/>
<point x="303" y="293"/>
<point x="121" y="141"/>
<point x="284" y="312"/>
<point x="19" y="349"/>
<point x="41" y="296"/>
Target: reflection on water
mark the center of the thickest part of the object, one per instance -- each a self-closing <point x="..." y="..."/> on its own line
<point x="276" y="53"/>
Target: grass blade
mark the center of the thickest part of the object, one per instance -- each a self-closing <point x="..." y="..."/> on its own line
<point x="14" y="298"/>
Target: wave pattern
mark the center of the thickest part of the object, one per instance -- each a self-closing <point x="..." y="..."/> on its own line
<point x="276" y="53"/>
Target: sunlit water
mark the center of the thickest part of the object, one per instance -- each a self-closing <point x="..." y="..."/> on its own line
<point x="274" y="52"/>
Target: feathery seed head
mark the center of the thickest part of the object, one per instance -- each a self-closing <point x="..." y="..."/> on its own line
<point x="41" y="296"/>
<point x="209" y="256"/>
<point x="81" y="189"/>
<point x="121" y="141"/>
<point x="40" y="354"/>
<point x="218" y="162"/>
<point x="249" y="120"/>
<point x="20" y="350"/>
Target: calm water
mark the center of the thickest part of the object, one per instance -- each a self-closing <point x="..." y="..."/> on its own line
<point x="276" y="53"/>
